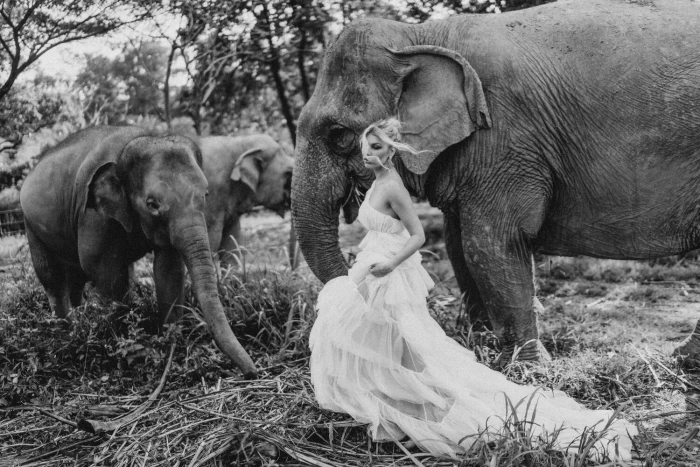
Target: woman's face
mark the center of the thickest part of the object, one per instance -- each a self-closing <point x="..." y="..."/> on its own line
<point x="377" y="153"/>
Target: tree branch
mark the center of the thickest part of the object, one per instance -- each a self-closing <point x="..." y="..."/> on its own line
<point x="29" y="14"/>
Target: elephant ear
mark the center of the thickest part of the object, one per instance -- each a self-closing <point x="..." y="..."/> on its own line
<point x="247" y="169"/>
<point x="440" y="103"/>
<point x="107" y="196"/>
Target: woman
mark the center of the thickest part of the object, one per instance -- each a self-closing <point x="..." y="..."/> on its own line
<point x="377" y="355"/>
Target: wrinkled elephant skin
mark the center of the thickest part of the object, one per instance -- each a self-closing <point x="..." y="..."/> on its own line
<point x="243" y="172"/>
<point x="106" y="196"/>
<point x="572" y="128"/>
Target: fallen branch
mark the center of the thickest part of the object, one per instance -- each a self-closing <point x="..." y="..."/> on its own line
<point x="97" y="426"/>
<point x="56" y="417"/>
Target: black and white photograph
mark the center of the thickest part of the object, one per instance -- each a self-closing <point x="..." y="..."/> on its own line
<point x="350" y="233"/>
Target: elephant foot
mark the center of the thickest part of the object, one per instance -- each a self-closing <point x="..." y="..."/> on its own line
<point x="688" y="353"/>
<point x="531" y="351"/>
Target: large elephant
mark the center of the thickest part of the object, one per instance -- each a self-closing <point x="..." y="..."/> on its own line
<point x="572" y="128"/>
<point x="243" y="172"/>
<point x="103" y="198"/>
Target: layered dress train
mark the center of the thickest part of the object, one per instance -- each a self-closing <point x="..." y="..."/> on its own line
<point x="377" y="355"/>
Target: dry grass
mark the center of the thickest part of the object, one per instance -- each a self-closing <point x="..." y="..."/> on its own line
<point x="611" y="354"/>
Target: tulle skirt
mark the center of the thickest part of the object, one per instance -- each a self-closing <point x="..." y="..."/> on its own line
<point x="378" y="356"/>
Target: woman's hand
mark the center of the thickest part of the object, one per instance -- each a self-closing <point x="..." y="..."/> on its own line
<point x="381" y="269"/>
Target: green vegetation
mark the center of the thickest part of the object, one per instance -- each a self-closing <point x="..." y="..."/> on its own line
<point x="609" y="326"/>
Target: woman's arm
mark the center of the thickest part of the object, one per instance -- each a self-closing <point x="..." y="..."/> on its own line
<point x="400" y="201"/>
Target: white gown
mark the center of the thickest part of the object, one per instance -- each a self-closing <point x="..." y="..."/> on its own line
<point x="377" y="355"/>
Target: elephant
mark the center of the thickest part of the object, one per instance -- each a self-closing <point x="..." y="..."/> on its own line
<point x="104" y="197"/>
<point x="571" y="128"/>
<point x="243" y="172"/>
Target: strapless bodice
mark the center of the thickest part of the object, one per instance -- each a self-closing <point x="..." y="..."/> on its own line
<point x="374" y="220"/>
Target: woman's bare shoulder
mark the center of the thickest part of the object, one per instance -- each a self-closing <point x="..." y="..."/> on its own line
<point x="397" y="189"/>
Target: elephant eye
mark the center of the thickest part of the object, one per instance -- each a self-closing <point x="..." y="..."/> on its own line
<point x="152" y="204"/>
<point x="341" y="139"/>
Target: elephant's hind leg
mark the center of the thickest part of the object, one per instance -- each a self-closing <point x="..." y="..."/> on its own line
<point x="76" y="280"/>
<point x="51" y="272"/>
<point x="230" y="252"/>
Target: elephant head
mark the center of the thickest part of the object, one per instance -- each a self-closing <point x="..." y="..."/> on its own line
<point x="267" y="171"/>
<point x="374" y="70"/>
<point x="156" y="185"/>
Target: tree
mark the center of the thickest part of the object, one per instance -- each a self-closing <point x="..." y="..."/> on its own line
<point x="131" y="83"/>
<point x="276" y="46"/>
<point x="142" y="68"/>
<point x="30" y="28"/>
<point x="101" y="91"/>
<point x="33" y="105"/>
<point x="422" y="10"/>
<point x="208" y="45"/>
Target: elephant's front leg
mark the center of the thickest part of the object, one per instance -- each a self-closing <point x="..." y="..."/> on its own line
<point x="478" y="317"/>
<point x="102" y="248"/>
<point x="500" y="262"/>
<point x="169" y="280"/>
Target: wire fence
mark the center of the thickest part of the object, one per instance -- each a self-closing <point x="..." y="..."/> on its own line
<point x="11" y="222"/>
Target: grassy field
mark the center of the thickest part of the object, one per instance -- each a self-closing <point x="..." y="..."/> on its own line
<point x="610" y="327"/>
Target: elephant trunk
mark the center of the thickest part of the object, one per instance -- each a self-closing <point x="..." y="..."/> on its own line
<point x="317" y="192"/>
<point x="317" y="232"/>
<point x="193" y="245"/>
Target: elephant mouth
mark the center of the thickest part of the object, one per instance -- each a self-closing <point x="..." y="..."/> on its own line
<point x="281" y="209"/>
<point x="350" y="212"/>
<point x="352" y="201"/>
<point x="284" y="206"/>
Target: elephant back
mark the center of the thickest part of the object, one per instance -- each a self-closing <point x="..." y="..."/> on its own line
<point x="55" y="191"/>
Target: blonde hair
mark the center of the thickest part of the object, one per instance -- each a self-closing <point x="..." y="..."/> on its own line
<point x="389" y="131"/>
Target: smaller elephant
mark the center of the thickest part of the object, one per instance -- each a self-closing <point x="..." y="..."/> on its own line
<point x="103" y="198"/>
<point x="243" y="172"/>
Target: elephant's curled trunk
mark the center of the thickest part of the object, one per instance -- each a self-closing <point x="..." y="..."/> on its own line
<point x="194" y="247"/>
<point x="318" y="238"/>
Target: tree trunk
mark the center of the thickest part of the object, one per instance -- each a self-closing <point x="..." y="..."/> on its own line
<point x="275" y="67"/>
<point x="305" y="88"/>
<point x="5" y="89"/>
<point x="166" y="86"/>
<point x="281" y="94"/>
